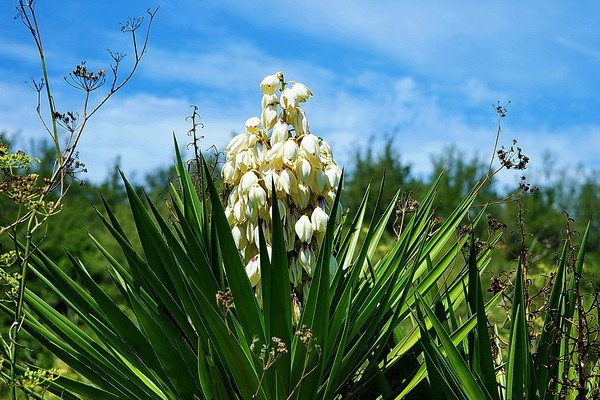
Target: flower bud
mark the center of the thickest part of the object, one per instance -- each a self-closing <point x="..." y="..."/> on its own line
<point x="253" y="270"/>
<point x="319" y="219"/>
<point x="252" y="124"/>
<point x="303" y="93"/>
<point x="269" y="84"/>
<point x="258" y="153"/>
<point x="304" y="229"/>
<point x="296" y="311"/>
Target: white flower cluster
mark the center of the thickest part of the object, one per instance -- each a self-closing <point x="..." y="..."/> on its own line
<point x="278" y="148"/>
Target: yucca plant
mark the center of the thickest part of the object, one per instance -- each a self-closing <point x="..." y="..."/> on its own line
<point x="192" y="326"/>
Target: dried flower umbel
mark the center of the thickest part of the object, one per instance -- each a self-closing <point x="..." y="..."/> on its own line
<point x="279" y="149"/>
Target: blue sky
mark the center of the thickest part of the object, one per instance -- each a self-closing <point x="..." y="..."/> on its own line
<point x="426" y="73"/>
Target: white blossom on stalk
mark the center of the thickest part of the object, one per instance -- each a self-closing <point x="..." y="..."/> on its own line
<point x="304" y="229"/>
<point x="303" y="169"/>
<point x="290" y="152"/>
<point x="288" y="100"/>
<point x="269" y="100"/>
<point x="252" y="124"/>
<point x="237" y="143"/>
<point x="301" y="196"/>
<point x="300" y="123"/>
<point x="319" y="219"/>
<point x="333" y="173"/>
<point x="228" y="172"/>
<point x="280" y="132"/>
<point x="253" y="270"/>
<point x="306" y="259"/>
<point x="303" y="93"/>
<point x="247" y="181"/>
<point x="270" y="84"/>
<point x="257" y="196"/>
<point x="269" y="116"/>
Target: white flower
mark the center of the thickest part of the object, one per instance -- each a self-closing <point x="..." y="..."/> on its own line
<point x="252" y="124"/>
<point x="239" y="211"/>
<point x="333" y="174"/>
<point x="270" y="177"/>
<point x="247" y="181"/>
<point x="319" y="219"/>
<point x="258" y="153"/>
<point x="228" y="172"/>
<point x="288" y="99"/>
<point x="303" y="169"/>
<point x="269" y="84"/>
<point x="290" y="152"/>
<point x="306" y="259"/>
<point x="309" y="147"/>
<point x="253" y="270"/>
<point x="325" y="154"/>
<point x="300" y="122"/>
<point x="301" y="196"/>
<point x="237" y="143"/>
<point x="269" y="100"/>
<point x="239" y="237"/>
<point x="286" y="181"/>
<point x="257" y="196"/>
<point x="304" y="229"/>
<point x="302" y="91"/>
<point x="269" y="116"/>
<point x="317" y="181"/>
<point x="274" y="156"/>
<point x="280" y="132"/>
